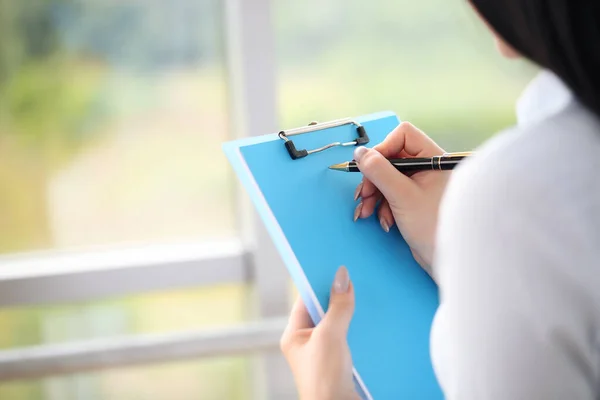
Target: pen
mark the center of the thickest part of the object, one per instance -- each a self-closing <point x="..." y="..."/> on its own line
<point x="444" y="162"/>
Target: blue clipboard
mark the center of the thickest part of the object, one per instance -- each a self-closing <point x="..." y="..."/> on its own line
<point x="308" y="212"/>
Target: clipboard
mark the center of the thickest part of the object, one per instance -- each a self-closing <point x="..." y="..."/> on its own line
<point x="308" y="212"/>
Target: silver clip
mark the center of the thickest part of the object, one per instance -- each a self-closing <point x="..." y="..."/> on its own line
<point x="316" y="126"/>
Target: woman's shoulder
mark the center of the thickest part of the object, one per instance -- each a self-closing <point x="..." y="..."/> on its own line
<point x="517" y="254"/>
<point x="531" y="189"/>
<point x="556" y="157"/>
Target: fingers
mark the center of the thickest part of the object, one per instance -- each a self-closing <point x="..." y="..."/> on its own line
<point x="341" y="306"/>
<point x="393" y="185"/>
<point x="385" y="216"/>
<point x="367" y="206"/>
<point x="299" y="317"/>
<point x="408" y="139"/>
<point x="368" y="199"/>
<point x="404" y="141"/>
<point x="365" y="189"/>
<point x="334" y="325"/>
<point x="297" y="328"/>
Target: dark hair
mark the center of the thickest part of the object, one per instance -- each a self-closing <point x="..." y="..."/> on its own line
<point x="562" y="36"/>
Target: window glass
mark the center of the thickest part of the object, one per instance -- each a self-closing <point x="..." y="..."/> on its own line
<point x="217" y="379"/>
<point x="431" y="62"/>
<point x="112" y="115"/>
<point x="158" y="312"/>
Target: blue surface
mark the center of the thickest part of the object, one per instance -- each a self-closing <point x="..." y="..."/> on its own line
<point x="313" y="228"/>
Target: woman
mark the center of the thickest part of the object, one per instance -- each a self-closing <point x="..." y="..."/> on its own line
<point x="515" y="246"/>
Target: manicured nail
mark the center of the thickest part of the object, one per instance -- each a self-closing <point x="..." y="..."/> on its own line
<point x="359" y="153"/>
<point x="341" y="281"/>
<point x="357" y="191"/>
<point x="357" y="211"/>
<point x="384" y="225"/>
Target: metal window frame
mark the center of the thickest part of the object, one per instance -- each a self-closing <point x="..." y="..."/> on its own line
<point x="59" y="277"/>
<point x="252" y="69"/>
<point x="62" y="277"/>
<point x="75" y="357"/>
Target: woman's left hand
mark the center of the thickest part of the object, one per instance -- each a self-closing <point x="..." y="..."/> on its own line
<point x="319" y="357"/>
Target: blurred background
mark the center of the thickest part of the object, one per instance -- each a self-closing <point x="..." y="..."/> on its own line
<point x="112" y="115"/>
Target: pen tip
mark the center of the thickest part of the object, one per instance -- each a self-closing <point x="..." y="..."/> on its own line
<point x="339" y="167"/>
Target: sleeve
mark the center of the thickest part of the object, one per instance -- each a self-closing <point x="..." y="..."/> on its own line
<point x="514" y="323"/>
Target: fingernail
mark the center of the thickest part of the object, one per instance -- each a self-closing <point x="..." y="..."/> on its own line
<point x="357" y="191"/>
<point x="359" y="153"/>
<point x="341" y="281"/>
<point x="357" y="211"/>
<point x="384" y="225"/>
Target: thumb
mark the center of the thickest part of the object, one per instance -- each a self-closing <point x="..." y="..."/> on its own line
<point x="376" y="168"/>
<point x="341" y="305"/>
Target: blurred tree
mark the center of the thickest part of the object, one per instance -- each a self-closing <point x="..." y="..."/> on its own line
<point x="33" y="92"/>
<point x="27" y="32"/>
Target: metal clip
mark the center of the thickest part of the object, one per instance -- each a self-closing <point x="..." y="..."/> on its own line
<point x="315" y="126"/>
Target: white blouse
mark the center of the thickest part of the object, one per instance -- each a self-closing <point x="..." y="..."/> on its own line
<point x="518" y="259"/>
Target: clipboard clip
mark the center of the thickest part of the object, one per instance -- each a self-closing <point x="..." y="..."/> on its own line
<point x="315" y="126"/>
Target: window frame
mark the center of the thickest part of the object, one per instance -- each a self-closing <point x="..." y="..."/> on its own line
<point x="56" y="277"/>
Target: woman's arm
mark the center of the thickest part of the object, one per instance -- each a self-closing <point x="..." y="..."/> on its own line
<point x="409" y="203"/>
<point x="515" y="320"/>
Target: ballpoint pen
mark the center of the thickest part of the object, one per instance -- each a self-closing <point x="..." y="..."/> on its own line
<point x="443" y="162"/>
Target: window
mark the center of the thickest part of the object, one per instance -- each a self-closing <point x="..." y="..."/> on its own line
<point x="223" y="379"/>
<point x="112" y="115"/>
<point x="160" y="312"/>
<point x="431" y="62"/>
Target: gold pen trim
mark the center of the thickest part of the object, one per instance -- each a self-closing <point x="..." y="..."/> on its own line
<point x="339" y="167"/>
<point x="458" y="154"/>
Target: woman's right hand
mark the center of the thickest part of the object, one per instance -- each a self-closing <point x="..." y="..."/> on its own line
<point x="410" y="203"/>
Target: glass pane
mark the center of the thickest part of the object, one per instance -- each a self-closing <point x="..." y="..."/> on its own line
<point x="167" y="311"/>
<point x="112" y="114"/>
<point x="156" y="312"/>
<point x="219" y="379"/>
<point x="431" y="62"/>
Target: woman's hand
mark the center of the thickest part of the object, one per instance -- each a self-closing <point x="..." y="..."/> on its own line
<point x="319" y="356"/>
<point x="409" y="202"/>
